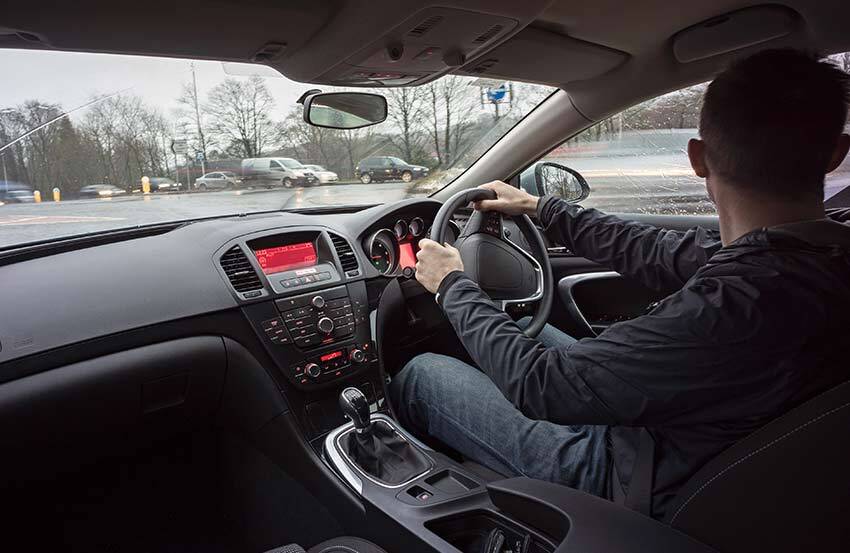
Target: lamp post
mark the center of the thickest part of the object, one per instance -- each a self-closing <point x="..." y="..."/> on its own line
<point x="5" y="111"/>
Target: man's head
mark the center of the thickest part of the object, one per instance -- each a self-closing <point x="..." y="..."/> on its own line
<point x="772" y="127"/>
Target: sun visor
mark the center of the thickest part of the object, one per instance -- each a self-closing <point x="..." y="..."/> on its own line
<point x="733" y="31"/>
<point x="540" y="56"/>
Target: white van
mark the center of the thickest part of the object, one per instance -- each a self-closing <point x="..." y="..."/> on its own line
<point x="276" y="171"/>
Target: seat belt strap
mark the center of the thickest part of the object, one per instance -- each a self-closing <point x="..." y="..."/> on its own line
<point x="639" y="496"/>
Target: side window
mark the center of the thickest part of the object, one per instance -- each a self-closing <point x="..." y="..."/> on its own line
<point x="836" y="190"/>
<point x="636" y="161"/>
<point x="275" y="165"/>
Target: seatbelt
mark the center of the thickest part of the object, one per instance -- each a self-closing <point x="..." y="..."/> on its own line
<point x="639" y="496"/>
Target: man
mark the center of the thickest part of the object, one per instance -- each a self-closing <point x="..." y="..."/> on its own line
<point x="754" y="323"/>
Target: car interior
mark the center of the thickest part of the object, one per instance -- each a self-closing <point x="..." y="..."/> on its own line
<point x="200" y="386"/>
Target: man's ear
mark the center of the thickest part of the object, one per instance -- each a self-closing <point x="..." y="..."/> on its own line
<point x="696" y="153"/>
<point x="839" y="153"/>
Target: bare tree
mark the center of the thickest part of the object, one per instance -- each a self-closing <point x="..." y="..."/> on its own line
<point x="239" y="110"/>
<point x="406" y="107"/>
<point x="190" y="111"/>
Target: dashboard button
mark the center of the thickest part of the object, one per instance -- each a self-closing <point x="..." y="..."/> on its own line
<point x="302" y="322"/>
<point x="252" y="294"/>
<point x="335" y="304"/>
<point x="286" y="304"/>
<point x="318" y="302"/>
<point x="305" y="341"/>
<point x="324" y="276"/>
<point x="343" y="330"/>
<point x="303" y="331"/>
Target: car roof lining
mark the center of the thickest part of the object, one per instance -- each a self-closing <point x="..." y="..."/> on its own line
<point x="607" y="54"/>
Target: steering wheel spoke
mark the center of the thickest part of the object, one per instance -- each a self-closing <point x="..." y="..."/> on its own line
<point x="503" y="269"/>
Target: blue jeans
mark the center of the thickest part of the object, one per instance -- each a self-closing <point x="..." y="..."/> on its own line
<point x="460" y="406"/>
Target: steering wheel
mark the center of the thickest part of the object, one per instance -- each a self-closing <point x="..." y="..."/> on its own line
<point x="504" y="270"/>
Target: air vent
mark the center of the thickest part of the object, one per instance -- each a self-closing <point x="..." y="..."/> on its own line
<point x="346" y="255"/>
<point x="239" y="271"/>
<point x="489" y="35"/>
<point x="425" y="26"/>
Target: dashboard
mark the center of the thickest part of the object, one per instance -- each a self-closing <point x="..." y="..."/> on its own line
<point x="306" y="284"/>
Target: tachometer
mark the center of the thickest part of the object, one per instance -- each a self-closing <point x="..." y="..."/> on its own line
<point x="383" y="251"/>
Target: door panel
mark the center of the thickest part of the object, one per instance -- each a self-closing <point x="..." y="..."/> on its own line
<point x="606" y="300"/>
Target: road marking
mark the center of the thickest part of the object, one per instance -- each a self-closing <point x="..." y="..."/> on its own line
<point x="53" y="220"/>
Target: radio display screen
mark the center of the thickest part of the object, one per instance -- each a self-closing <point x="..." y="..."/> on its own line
<point x="286" y="258"/>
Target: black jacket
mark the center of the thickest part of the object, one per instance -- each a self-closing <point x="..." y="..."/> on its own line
<point x="748" y="331"/>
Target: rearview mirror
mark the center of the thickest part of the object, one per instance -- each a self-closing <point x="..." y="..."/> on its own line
<point x="344" y="110"/>
<point x="560" y="181"/>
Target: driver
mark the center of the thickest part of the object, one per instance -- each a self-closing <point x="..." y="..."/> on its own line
<point x="753" y="324"/>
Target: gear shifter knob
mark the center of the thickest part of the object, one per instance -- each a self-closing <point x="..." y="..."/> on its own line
<point x="356" y="407"/>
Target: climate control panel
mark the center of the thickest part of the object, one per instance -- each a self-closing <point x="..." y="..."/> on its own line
<point x="332" y="364"/>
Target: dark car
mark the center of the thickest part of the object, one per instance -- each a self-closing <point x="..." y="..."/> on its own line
<point x="101" y="191"/>
<point x="158" y="184"/>
<point x="384" y="168"/>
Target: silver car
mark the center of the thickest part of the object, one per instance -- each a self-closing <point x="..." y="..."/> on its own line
<point x="323" y="174"/>
<point x="218" y="180"/>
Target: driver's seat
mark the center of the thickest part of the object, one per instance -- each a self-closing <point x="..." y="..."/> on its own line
<point x="783" y="488"/>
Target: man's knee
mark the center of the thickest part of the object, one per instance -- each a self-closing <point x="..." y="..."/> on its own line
<point x="409" y="380"/>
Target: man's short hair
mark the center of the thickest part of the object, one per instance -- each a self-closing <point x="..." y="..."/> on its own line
<point x="770" y="122"/>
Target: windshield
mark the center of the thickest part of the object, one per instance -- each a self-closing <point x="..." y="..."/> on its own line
<point x="153" y="127"/>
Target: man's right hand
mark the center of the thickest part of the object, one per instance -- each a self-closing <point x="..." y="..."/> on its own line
<point x="509" y="200"/>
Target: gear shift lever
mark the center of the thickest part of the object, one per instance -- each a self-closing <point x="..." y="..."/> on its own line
<point x="376" y="447"/>
<point x="356" y="407"/>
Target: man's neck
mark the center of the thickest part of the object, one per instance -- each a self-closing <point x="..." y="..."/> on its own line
<point x="744" y="214"/>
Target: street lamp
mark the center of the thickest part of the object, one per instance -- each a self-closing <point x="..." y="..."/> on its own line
<point x="5" y="111"/>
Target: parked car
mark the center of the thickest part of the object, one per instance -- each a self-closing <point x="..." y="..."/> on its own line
<point x="323" y="174"/>
<point x="164" y="184"/>
<point x="158" y="184"/>
<point x="384" y="168"/>
<point x="101" y="191"/>
<point x="218" y="180"/>
<point x="276" y="171"/>
<point x="15" y="193"/>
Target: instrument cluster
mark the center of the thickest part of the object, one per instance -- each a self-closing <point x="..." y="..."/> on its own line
<point x="392" y="250"/>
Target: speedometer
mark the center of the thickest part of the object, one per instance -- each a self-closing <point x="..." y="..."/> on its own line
<point x="383" y="251"/>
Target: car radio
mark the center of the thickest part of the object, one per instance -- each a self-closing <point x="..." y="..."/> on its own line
<point x="317" y="337"/>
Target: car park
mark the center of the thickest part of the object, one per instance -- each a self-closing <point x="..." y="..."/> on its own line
<point x="101" y="191"/>
<point x="324" y="176"/>
<point x="386" y="168"/>
<point x="196" y="372"/>
<point x="218" y="180"/>
<point x="279" y="171"/>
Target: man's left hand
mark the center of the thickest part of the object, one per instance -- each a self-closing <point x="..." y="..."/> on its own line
<point x="434" y="262"/>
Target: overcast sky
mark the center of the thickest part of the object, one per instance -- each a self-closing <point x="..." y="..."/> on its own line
<point x="71" y="79"/>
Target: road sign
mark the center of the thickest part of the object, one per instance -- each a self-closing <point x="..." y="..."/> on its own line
<point x="180" y="146"/>
<point x="497" y="94"/>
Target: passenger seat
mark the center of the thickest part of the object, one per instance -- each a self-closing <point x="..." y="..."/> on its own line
<point x="783" y="488"/>
<point x="344" y="544"/>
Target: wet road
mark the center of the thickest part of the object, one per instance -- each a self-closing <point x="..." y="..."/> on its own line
<point x="651" y="184"/>
<point x="21" y="223"/>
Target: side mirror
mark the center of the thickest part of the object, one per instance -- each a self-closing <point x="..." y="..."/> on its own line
<point x="344" y="110"/>
<point x="566" y="183"/>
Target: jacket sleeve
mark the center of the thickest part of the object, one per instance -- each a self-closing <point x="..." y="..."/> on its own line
<point x="648" y="371"/>
<point x="661" y="259"/>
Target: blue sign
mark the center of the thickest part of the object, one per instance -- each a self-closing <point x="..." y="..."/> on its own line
<point x="497" y="94"/>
